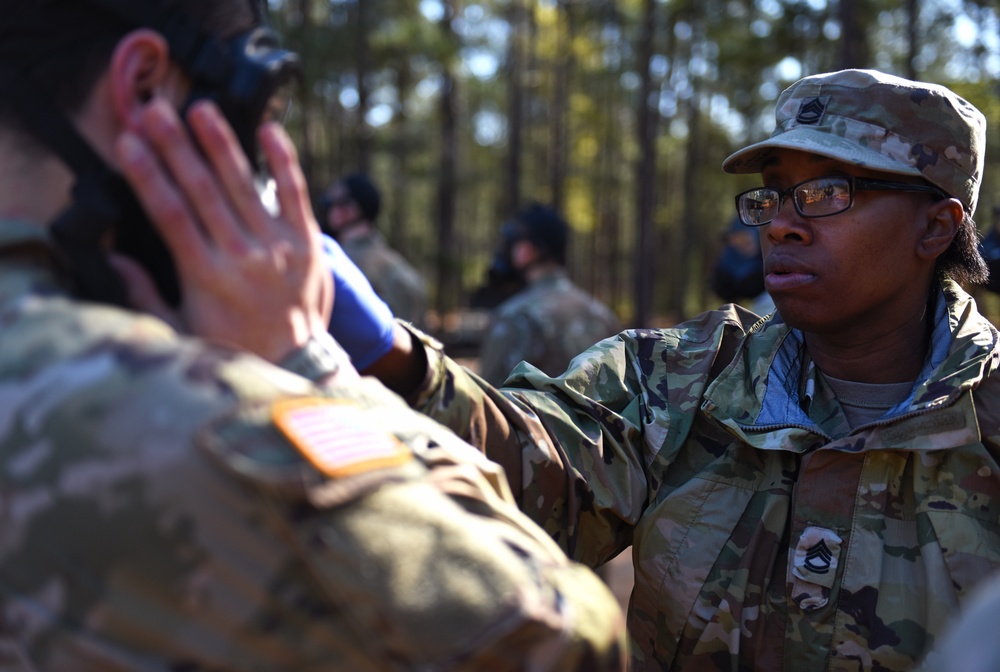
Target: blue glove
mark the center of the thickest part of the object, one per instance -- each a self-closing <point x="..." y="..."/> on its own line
<point x="361" y="322"/>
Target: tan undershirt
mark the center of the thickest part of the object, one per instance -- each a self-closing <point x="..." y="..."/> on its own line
<point x="866" y="402"/>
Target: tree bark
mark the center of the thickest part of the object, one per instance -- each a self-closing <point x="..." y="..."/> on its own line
<point x="646" y="172"/>
<point x="447" y="281"/>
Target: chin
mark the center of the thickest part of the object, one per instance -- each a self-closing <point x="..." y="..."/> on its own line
<point x="801" y="317"/>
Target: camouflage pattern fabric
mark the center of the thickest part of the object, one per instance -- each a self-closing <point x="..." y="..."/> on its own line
<point x="854" y="116"/>
<point x="392" y="277"/>
<point x="156" y="517"/>
<point x="766" y="535"/>
<point x="545" y="325"/>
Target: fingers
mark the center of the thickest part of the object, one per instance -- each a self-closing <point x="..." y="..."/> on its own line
<point x="165" y="206"/>
<point x="221" y="147"/>
<point x="142" y="294"/>
<point x="249" y="278"/>
<point x="207" y="198"/>
<point x="293" y="194"/>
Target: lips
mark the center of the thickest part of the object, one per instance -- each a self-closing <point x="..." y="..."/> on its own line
<point x="782" y="273"/>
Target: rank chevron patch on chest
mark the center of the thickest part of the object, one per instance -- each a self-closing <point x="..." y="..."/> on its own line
<point x="818" y="558"/>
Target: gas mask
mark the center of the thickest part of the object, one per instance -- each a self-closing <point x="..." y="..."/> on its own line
<point x="503" y="278"/>
<point x="503" y="268"/>
<point x="249" y="77"/>
<point x="245" y="76"/>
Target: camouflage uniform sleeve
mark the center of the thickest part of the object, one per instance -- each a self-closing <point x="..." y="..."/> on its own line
<point x="164" y="508"/>
<point x="457" y="577"/>
<point x="318" y="360"/>
<point x="573" y="447"/>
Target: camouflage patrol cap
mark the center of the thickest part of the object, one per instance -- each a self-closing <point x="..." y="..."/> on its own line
<point x="882" y="122"/>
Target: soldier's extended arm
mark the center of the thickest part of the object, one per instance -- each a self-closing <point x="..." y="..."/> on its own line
<point x="579" y="473"/>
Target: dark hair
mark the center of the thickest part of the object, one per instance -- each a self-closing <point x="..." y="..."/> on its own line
<point x="962" y="261"/>
<point x="364" y="193"/>
<point x="546" y="229"/>
<point x="64" y="45"/>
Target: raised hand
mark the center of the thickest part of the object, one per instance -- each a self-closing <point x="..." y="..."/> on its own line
<point x="248" y="278"/>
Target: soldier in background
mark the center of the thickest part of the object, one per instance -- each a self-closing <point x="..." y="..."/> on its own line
<point x="738" y="274"/>
<point x="550" y="319"/>
<point x="173" y="502"/>
<point x="990" y="249"/>
<point x="347" y="212"/>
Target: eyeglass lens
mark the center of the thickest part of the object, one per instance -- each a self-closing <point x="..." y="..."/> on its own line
<point x="815" y="198"/>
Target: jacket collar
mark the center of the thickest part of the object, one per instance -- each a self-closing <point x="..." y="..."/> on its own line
<point x="765" y="394"/>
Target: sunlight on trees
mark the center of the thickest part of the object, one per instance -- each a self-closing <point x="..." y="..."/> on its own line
<point x="560" y="100"/>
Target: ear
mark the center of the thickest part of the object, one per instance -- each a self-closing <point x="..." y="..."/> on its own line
<point x="943" y="219"/>
<point x="140" y="69"/>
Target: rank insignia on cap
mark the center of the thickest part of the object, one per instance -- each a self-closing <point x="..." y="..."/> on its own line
<point x="812" y="110"/>
<point x="336" y="438"/>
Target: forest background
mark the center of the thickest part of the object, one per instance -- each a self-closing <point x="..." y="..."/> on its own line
<point x="618" y="113"/>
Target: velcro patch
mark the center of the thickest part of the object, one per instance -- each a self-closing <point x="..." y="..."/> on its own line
<point x="335" y="437"/>
<point x="811" y="111"/>
<point x="817" y="556"/>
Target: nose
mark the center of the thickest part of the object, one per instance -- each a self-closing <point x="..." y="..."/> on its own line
<point x="788" y="225"/>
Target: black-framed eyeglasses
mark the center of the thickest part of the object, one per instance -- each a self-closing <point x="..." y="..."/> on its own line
<point x="818" y="197"/>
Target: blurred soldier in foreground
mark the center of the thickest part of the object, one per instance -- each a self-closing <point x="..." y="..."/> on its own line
<point x="348" y="211"/>
<point x="814" y="490"/>
<point x="168" y="502"/>
<point x="971" y="644"/>
<point x="549" y="321"/>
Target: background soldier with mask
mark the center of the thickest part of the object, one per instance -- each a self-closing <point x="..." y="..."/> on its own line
<point x="348" y="211"/>
<point x="171" y="503"/>
<point x="550" y="320"/>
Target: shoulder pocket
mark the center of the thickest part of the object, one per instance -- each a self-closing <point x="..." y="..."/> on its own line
<point x="324" y="451"/>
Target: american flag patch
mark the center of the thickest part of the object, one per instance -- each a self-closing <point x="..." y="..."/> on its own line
<point x="334" y="436"/>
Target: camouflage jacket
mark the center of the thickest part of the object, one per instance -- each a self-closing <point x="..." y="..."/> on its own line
<point x="765" y="534"/>
<point x="392" y="277"/>
<point x="168" y="505"/>
<point x="546" y="325"/>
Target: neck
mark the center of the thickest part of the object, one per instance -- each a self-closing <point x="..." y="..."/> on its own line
<point x="540" y="269"/>
<point x="894" y="356"/>
<point x="34" y="185"/>
<point x="354" y="230"/>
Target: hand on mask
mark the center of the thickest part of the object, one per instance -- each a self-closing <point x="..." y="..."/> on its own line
<point x="361" y="322"/>
<point x="249" y="279"/>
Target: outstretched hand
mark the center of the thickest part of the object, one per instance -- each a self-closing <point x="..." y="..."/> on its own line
<point x="248" y="278"/>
